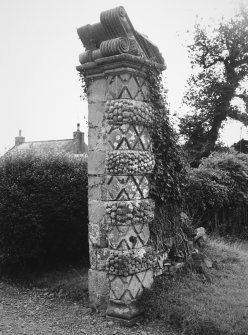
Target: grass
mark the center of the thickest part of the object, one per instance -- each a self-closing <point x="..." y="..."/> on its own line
<point x="187" y="301"/>
<point x="197" y="307"/>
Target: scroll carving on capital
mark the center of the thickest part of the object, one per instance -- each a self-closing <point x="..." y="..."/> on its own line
<point x="115" y="35"/>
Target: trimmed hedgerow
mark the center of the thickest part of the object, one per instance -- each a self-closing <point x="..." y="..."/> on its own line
<point x="43" y="209"/>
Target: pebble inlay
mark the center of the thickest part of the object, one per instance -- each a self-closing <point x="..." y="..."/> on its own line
<point x="128" y="111"/>
<point x="129" y="212"/>
<point x="129" y="262"/>
<point x="129" y="162"/>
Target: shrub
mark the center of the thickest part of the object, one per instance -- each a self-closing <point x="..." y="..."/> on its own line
<point x="219" y="187"/>
<point x="43" y="209"/>
<point x="236" y="166"/>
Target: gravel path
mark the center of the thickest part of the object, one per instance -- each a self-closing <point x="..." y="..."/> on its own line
<point x="36" y="311"/>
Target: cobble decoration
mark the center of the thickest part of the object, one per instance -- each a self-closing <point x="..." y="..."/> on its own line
<point x="129" y="162"/>
<point x="129" y="212"/>
<point x="115" y="66"/>
<point x="130" y="262"/>
<point x="128" y="111"/>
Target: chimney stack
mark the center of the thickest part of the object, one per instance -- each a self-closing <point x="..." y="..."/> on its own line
<point x="19" y="139"/>
<point x="78" y="139"/>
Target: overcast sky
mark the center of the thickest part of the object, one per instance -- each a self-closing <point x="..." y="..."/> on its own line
<point x="39" y="85"/>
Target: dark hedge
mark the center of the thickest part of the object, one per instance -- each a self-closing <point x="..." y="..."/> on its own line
<point x="43" y="210"/>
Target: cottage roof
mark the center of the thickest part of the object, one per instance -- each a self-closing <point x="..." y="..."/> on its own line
<point x="66" y="145"/>
<point x="75" y="145"/>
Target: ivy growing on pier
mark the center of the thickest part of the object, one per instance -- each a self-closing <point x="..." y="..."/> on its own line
<point x="168" y="181"/>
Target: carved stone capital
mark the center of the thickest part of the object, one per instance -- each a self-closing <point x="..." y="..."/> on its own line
<point x="114" y="35"/>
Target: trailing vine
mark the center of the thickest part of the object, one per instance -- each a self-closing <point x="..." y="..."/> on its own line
<point x="169" y="174"/>
<point x="85" y="82"/>
<point x="169" y="178"/>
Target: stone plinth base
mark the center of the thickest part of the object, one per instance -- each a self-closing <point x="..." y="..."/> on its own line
<point x="126" y="322"/>
<point x="124" y="313"/>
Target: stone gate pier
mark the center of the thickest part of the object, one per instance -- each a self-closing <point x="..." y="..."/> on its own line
<point x="115" y="66"/>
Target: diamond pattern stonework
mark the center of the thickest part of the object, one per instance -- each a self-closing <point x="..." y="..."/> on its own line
<point x="128" y="237"/>
<point x="130" y="287"/>
<point x="129" y="137"/>
<point x="127" y="187"/>
<point x="126" y="86"/>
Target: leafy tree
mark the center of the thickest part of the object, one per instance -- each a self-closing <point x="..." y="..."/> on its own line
<point x="241" y="146"/>
<point x="216" y="89"/>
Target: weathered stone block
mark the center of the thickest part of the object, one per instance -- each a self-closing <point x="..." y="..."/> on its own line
<point x="96" y="162"/>
<point x="97" y="211"/>
<point x="95" y="187"/>
<point x="97" y="139"/>
<point x="98" y="235"/>
<point x="98" y="257"/>
<point x="93" y="256"/>
<point x="97" y="91"/>
<point x="98" y="282"/>
<point x="102" y="256"/>
<point x="96" y="113"/>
